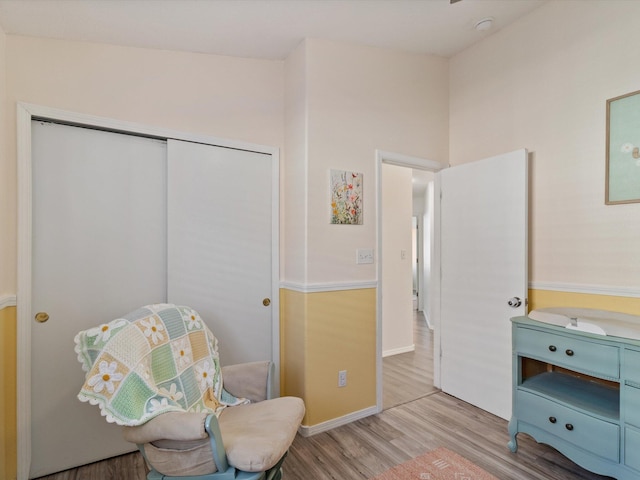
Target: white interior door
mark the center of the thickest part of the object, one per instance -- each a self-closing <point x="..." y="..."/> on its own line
<point x="220" y="244"/>
<point x="99" y="251"/>
<point x="484" y="264"/>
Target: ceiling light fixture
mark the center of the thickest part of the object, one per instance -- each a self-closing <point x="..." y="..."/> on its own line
<point x="484" y="24"/>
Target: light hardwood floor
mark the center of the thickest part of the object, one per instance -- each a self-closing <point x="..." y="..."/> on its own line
<point x="409" y="376"/>
<point x="417" y="418"/>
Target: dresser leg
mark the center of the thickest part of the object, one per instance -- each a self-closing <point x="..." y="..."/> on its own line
<point x="513" y="431"/>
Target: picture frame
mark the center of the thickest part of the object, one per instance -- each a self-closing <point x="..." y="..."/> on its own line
<point x="622" y="183"/>
<point x="346" y="197"/>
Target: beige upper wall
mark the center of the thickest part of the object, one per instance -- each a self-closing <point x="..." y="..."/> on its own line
<point x="230" y="98"/>
<point x="294" y="174"/>
<point x="7" y="188"/>
<point x="227" y="97"/>
<point x="353" y="99"/>
<point x="360" y="99"/>
<point x="542" y="84"/>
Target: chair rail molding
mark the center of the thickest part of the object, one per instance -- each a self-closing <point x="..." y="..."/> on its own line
<point x="610" y="290"/>
<point x="328" y="287"/>
<point x="7" y="301"/>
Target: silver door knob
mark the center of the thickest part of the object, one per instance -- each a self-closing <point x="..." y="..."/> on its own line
<point x="514" y="302"/>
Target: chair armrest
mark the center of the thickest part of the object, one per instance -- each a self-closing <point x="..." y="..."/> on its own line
<point x="253" y="380"/>
<point x="217" y="447"/>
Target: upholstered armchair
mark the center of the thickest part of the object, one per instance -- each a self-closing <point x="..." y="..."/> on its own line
<point x="191" y="419"/>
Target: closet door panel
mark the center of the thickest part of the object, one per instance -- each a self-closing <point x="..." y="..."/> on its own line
<point x="220" y="244"/>
<point x="99" y="251"/>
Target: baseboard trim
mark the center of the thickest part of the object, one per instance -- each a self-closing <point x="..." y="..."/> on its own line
<point x="396" y="351"/>
<point x="586" y="289"/>
<point x="328" y="287"/>
<point x="8" y="301"/>
<point x="336" y="422"/>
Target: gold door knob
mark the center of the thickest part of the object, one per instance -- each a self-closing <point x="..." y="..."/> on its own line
<point x="42" y="317"/>
<point x="266" y="302"/>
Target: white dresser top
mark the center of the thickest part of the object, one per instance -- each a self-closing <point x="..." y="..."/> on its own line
<point x="601" y="322"/>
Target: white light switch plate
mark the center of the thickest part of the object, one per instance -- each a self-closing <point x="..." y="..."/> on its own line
<point x="364" y="255"/>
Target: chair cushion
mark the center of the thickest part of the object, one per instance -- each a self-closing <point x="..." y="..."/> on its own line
<point x="248" y="380"/>
<point x="179" y="426"/>
<point x="257" y="435"/>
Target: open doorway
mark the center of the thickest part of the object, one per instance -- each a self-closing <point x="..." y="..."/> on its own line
<point x="423" y="204"/>
<point x="415" y="259"/>
<point x="405" y="250"/>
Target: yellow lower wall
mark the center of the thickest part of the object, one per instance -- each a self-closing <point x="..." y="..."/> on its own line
<point x="323" y="333"/>
<point x="8" y="435"/>
<point x="550" y="298"/>
<point x="292" y="343"/>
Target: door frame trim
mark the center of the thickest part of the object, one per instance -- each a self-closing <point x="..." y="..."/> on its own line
<point x="417" y="163"/>
<point x="26" y="112"/>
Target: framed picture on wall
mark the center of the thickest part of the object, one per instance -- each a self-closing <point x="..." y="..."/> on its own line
<point x="346" y="197"/>
<point x="623" y="149"/>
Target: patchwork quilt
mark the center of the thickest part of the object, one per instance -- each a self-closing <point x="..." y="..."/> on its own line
<point x="160" y="358"/>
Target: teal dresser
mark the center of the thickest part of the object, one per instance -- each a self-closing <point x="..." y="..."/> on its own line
<point x="579" y="393"/>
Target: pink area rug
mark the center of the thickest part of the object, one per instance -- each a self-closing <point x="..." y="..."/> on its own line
<point x="439" y="464"/>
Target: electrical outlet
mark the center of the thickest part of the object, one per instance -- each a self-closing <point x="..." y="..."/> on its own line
<point x="342" y="378"/>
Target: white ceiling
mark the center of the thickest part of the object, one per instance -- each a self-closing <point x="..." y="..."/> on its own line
<point x="268" y="29"/>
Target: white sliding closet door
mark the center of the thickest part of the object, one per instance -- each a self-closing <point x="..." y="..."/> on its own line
<point x="99" y="251"/>
<point x="220" y="244"/>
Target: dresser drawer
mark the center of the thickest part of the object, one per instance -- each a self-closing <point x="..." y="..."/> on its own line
<point x="631" y="448"/>
<point x="590" y="433"/>
<point x="631" y="399"/>
<point x="631" y="366"/>
<point x="588" y="357"/>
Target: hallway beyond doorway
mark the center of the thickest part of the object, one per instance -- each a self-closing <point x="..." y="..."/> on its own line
<point x="409" y="376"/>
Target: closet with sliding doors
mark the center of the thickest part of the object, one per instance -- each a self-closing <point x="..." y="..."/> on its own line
<point x="120" y="220"/>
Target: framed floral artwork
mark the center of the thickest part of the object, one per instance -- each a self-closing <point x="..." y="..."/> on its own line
<point x="623" y="149"/>
<point x="346" y="197"/>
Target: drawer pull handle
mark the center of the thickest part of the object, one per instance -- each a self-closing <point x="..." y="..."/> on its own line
<point x="568" y="426"/>
<point x="569" y="352"/>
<point x="552" y="419"/>
<point x="552" y="348"/>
